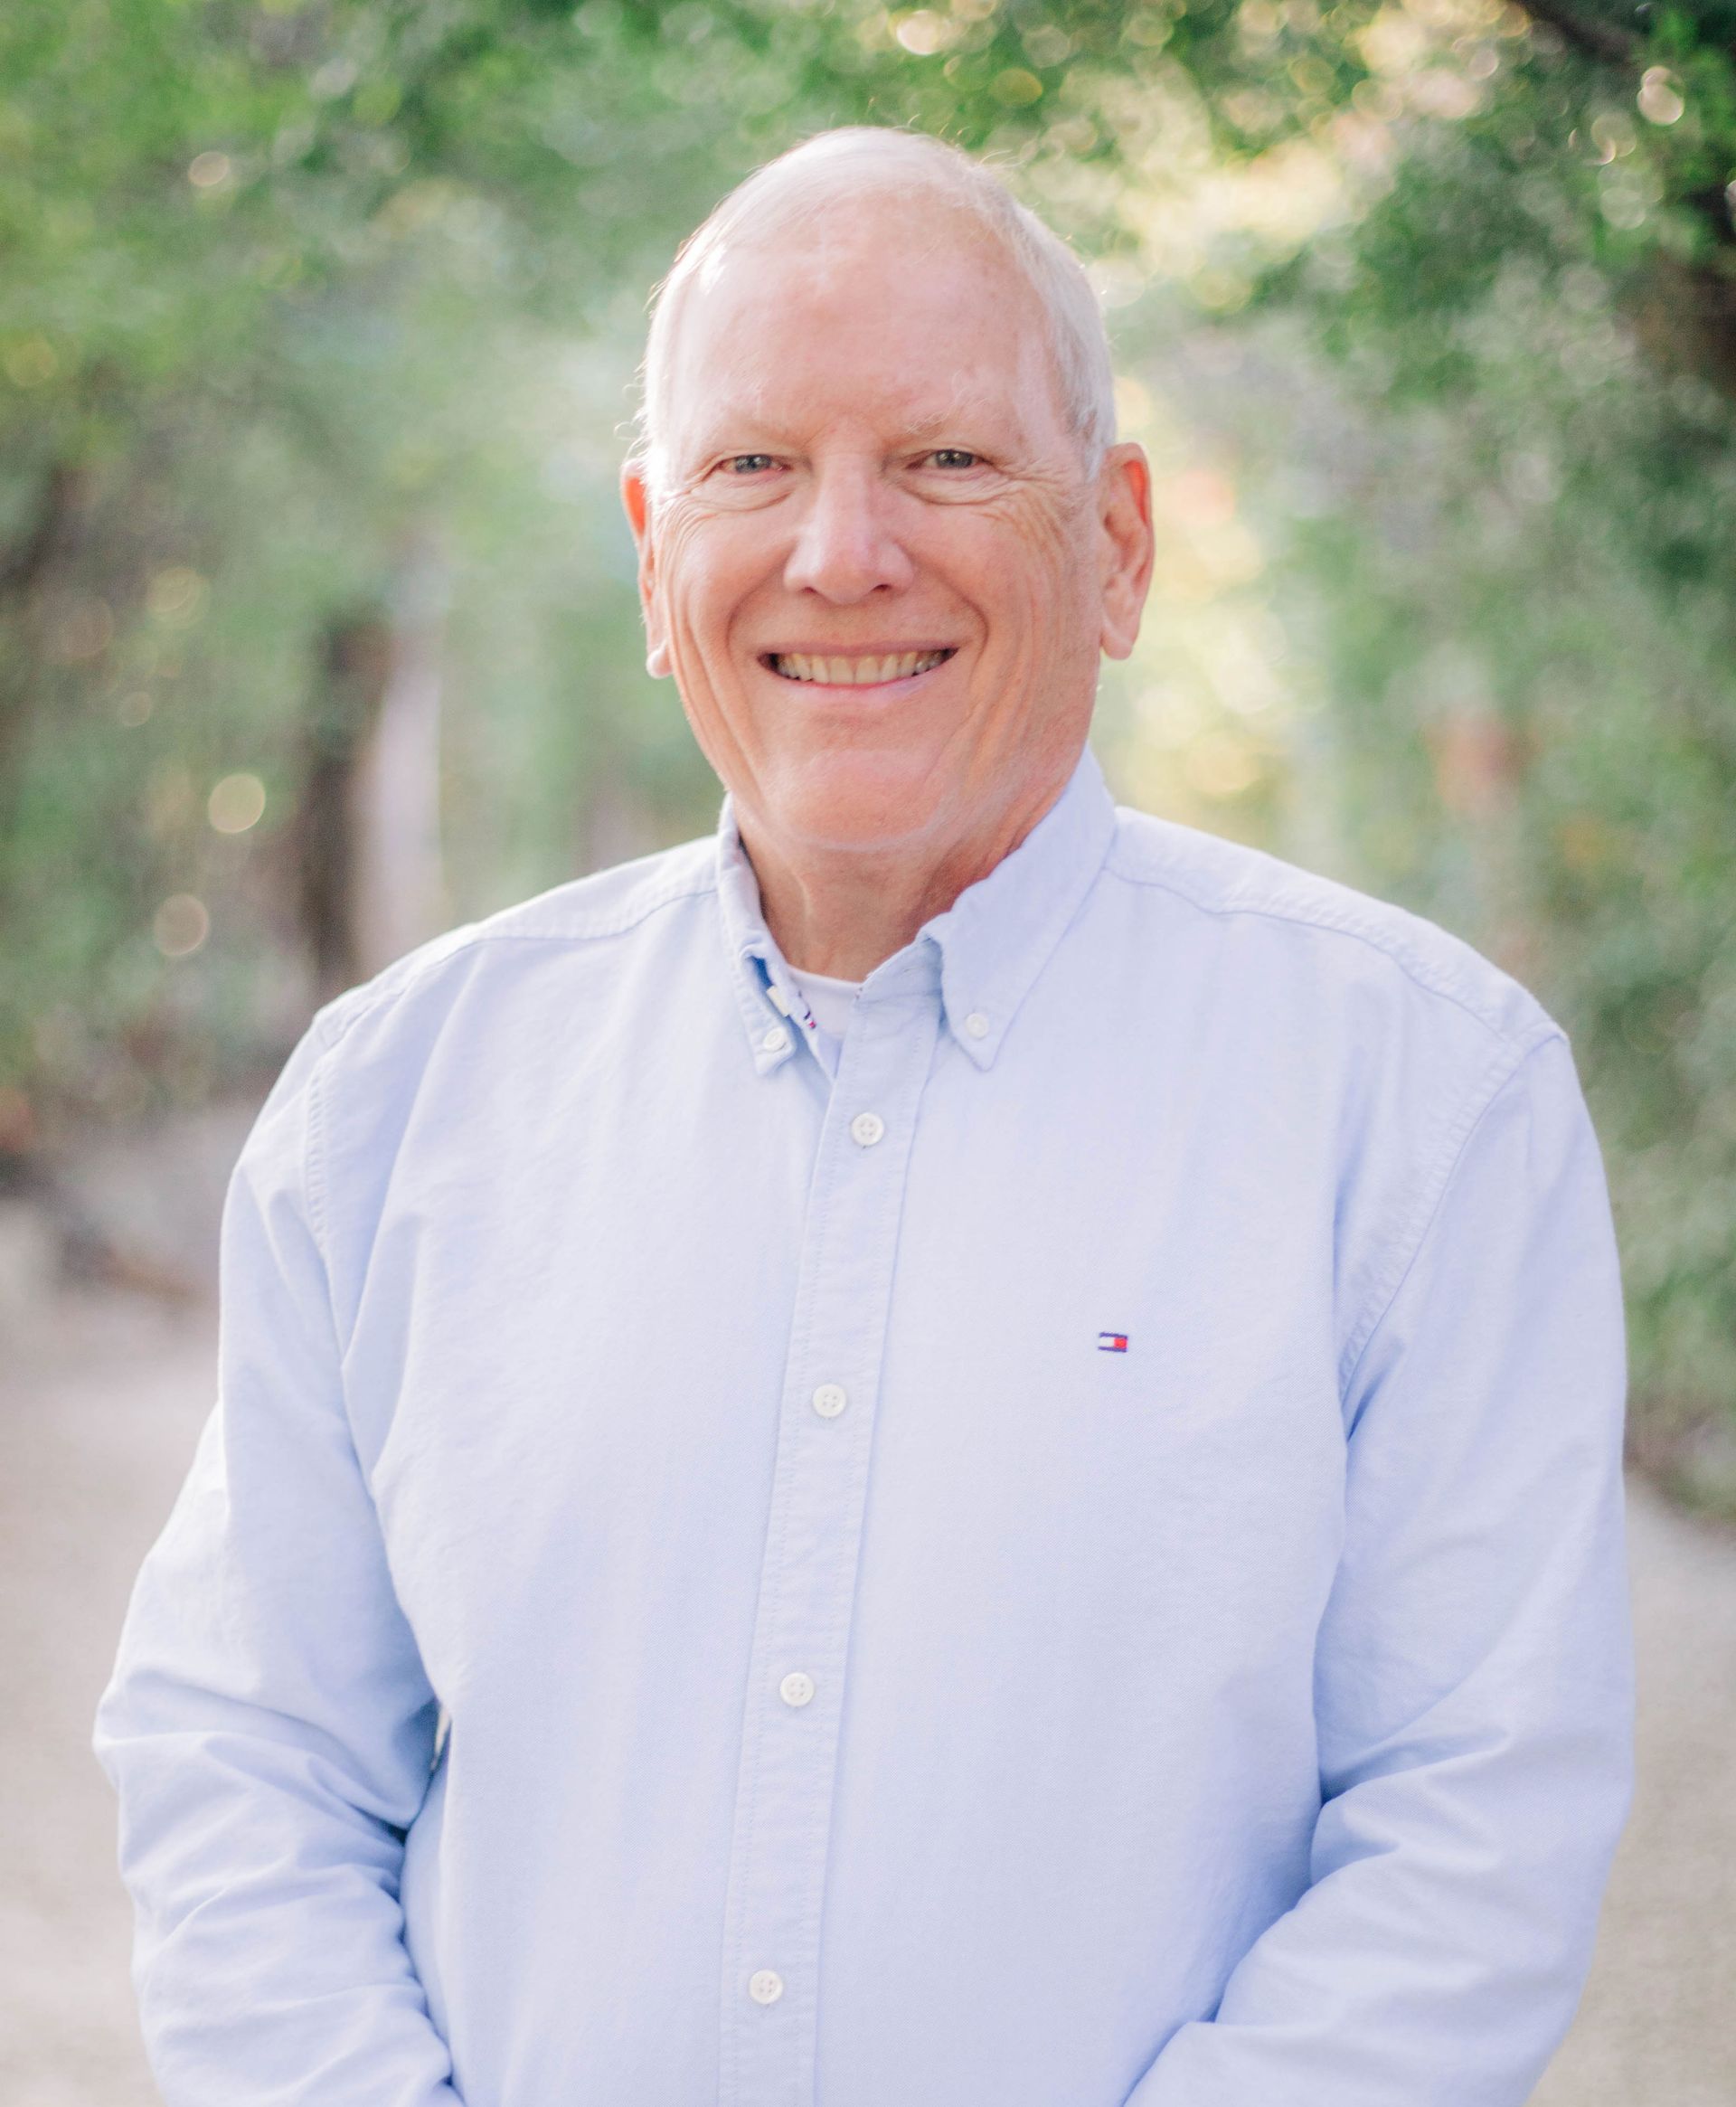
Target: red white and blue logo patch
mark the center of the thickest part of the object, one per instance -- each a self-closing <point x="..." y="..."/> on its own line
<point x="1111" y="1342"/>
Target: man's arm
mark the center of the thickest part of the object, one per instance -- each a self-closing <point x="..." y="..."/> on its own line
<point x="268" y="1726"/>
<point x="1473" y="1674"/>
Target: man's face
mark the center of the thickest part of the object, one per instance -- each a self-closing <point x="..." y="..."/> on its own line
<point x="875" y="567"/>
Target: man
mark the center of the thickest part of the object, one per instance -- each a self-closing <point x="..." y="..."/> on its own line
<point x="961" y="1450"/>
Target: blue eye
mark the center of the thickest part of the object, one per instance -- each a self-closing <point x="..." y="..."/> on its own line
<point x="748" y="464"/>
<point x="954" y="458"/>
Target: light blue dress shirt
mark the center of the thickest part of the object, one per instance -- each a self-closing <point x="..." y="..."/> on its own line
<point x="1066" y="1552"/>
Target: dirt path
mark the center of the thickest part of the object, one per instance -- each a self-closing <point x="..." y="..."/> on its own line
<point x="98" y="1415"/>
<point x="1657" y="2026"/>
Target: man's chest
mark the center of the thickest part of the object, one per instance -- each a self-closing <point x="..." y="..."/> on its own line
<point x="1018" y="1366"/>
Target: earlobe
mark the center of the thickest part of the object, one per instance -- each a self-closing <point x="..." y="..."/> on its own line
<point x="656" y="642"/>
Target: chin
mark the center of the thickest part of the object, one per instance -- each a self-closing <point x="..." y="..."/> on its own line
<point x="859" y="802"/>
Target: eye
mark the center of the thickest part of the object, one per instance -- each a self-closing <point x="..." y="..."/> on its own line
<point x="748" y="464"/>
<point x="954" y="458"/>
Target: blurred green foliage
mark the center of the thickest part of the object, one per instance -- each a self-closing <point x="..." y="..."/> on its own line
<point x="1439" y="293"/>
<point x="1522" y="590"/>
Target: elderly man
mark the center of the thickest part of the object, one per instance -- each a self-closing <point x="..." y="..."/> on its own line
<point x="959" y="1451"/>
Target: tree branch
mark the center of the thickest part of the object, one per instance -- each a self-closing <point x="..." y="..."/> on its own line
<point x="45" y="541"/>
<point x="1595" y="39"/>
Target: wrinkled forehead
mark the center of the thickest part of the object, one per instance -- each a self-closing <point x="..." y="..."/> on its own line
<point x="911" y="314"/>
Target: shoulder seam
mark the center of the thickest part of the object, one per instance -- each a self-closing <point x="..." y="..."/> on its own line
<point x="334" y="1029"/>
<point x="477" y="934"/>
<point x="1331" y="925"/>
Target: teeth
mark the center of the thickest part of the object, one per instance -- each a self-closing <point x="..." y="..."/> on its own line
<point x="855" y="672"/>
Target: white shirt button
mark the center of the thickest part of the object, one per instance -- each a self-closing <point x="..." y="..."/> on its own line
<point x="775" y="1041"/>
<point x="976" y="1025"/>
<point x="866" y="1128"/>
<point x="796" y="1688"/>
<point x="765" y="1988"/>
<point x="829" y="1400"/>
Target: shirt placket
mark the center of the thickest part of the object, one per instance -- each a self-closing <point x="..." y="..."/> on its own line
<point x="795" y="1699"/>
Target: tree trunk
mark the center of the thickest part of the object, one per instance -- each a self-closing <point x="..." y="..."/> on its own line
<point x="399" y="894"/>
<point x="29" y="570"/>
<point x="372" y="884"/>
<point x="355" y="659"/>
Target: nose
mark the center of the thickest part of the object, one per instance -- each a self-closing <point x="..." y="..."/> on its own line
<point x="846" y="546"/>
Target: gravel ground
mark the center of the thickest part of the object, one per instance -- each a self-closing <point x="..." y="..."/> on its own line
<point x="99" y="1408"/>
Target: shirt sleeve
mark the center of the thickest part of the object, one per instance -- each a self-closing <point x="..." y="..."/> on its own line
<point x="1473" y="1668"/>
<point x="268" y="1726"/>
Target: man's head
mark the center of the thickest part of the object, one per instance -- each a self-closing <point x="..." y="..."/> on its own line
<point x="884" y="533"/>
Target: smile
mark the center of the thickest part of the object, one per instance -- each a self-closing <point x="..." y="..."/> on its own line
<point x="855" y="672"/>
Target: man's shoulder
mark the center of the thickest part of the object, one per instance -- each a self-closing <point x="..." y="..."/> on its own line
<point x="582" y="914"/>
<point x="1353" y="939"/>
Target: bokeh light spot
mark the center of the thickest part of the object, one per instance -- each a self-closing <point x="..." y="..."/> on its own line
<point x="1660" y="98"/>
<point x="29" y="363"/>
<point x="1047" y="44"/>
<point x="209" y="171"/>
<point x="177" y="596"/>
<point x="180" y="925"/>
<point x="236" y="803"/>
<point x="1016" y="87"/>
<point x="923" y="32"/>
<point x="1222" y="766"/>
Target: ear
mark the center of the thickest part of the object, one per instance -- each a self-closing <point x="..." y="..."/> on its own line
<point x="1125" y="538"/>
<point x="636" y="499"/>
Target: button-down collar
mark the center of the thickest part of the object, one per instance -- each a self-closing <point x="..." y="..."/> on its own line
<point x="983" y="953"/>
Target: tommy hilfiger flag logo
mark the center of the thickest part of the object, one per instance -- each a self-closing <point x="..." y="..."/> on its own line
<point x="1111" y="1342"/>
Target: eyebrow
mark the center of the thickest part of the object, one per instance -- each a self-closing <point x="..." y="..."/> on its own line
<point x="731" y="426"/>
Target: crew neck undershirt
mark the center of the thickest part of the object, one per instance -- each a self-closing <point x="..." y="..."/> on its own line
<point x="829" y="999"/>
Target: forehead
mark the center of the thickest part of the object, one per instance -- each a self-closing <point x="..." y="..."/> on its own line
<point x="895" y="313"/>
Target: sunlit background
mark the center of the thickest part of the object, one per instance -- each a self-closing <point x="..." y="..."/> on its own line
<point x="318" y="325"/>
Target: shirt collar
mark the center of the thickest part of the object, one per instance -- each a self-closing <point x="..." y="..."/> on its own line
<point x="984" y="952"/>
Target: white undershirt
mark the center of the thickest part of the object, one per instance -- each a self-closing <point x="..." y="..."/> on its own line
<point x="829" y="1000"/>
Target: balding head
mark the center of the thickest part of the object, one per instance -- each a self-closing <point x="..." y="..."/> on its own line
<point x="829" y="182"/>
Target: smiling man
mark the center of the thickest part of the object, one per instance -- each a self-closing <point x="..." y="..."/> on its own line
<point x="959" y="1448"/>
<point x="886" y="640"/>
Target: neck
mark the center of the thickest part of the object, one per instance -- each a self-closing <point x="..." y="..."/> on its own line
<point x="842" y="912"/>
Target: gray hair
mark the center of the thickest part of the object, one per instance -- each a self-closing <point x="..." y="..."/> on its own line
<point x="795" y="188"/>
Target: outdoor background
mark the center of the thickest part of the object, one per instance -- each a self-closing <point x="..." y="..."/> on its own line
<point x="318" y="327"/>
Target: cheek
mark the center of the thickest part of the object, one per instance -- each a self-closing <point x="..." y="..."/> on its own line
<point x="709" y="570"/>
<point x="688" y="579"/>
<point x="707" y="567"/>
<point x="1037" y="579"/>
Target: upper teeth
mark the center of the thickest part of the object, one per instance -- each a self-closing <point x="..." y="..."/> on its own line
<point x="855" y="672"/>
